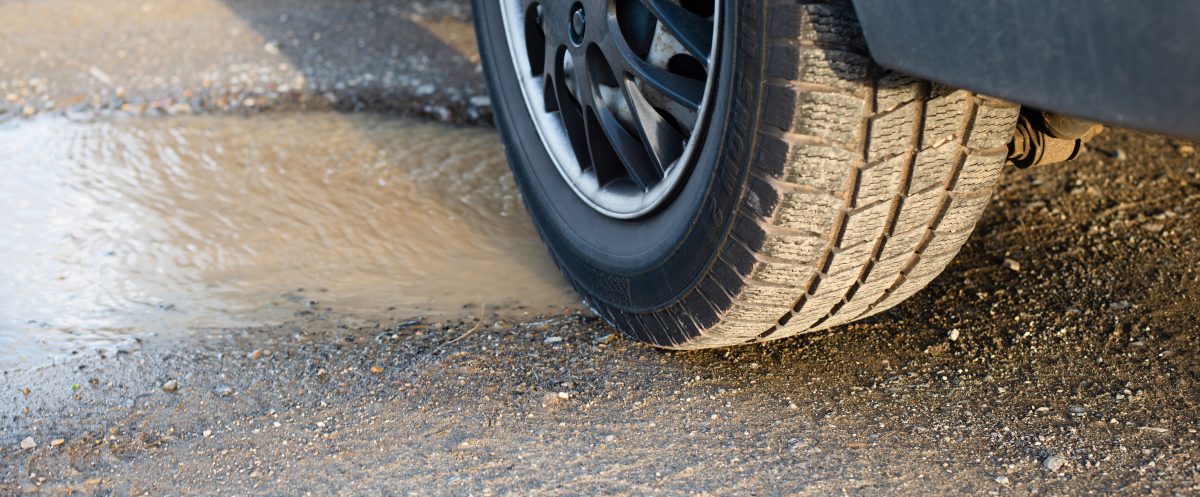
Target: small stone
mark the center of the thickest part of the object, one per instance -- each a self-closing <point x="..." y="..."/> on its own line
<point x="564" y="395"/>
<point x="480" y="101"/>
<point x="223" y="391"/>
<point x="171" y="386"/>
<point x="1119" y="305"/>
<point x="606" y="338"/>
<point x="1119" y="154"/>
<point x="257" y="354"/>
<point x="1153" y="227"/>
<point x="1012" y="264"/>
<point x="1186" y="149"/>
<point x="953" y="335"/>
<point x="180" y="108"/>
<point x="1054" y="462"/>
<point x="1076" y="410"/>
<point x="207" y="433"/>
<point x="28" y="443"/>
<point x="57" y="442"/>
<point x="553" y="339"/>
<point x="1003" y="480"/>
<point x="376" y="369"/>
<point x="609" y="438"/>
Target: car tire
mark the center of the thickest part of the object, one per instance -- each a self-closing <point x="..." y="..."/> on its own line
<point x="824" y="189"/>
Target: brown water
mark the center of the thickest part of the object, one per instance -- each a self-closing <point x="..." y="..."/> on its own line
<point x="168" y="225"/>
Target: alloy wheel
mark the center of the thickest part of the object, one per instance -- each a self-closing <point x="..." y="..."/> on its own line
<point x="619" y="92"/>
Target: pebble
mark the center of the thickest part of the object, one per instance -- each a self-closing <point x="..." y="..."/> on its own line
<point x="953" y="335"/>
<point x="564" y="395"/>
<point x="1119" y="154"/>
<point x="1119" y="305"/>
<point x="180" y="108"/>
<point x="28" y="443"/>
<point x="606" y="338"/>
<point x="223" y="391"/>
<point x="480" y="101"/>
<point x="207" y="433"/>
<point x="1054" y="462"/>
<point x="1012" y="264"/>
<point x="553" y="339"/>
<point x="171" y="386"/>
<point x="58" y="441"/>
<point x="1076" y="410"/>
<point x="1003" y="480"/>
<point x="1186" y="150"/>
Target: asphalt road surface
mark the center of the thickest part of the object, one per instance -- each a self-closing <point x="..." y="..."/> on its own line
<point x="1058" y="354"/>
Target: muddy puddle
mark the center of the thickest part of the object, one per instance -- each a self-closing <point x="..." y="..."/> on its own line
<point x="121" y="229"/>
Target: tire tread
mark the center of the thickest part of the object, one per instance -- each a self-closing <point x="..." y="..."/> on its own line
<point x="864" y="186"/>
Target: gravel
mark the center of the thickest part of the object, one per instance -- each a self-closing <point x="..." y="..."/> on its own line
<point x="883" y="407"/>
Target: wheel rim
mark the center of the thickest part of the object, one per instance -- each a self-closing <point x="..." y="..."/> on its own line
<point x="619" y="92"/>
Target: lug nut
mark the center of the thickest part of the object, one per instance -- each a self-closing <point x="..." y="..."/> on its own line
<point x="578" y="22"/>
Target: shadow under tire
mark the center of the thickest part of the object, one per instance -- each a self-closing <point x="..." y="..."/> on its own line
<point x="824" y="188"/>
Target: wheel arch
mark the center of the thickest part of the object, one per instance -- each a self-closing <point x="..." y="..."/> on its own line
<point x="1132" y="64"/>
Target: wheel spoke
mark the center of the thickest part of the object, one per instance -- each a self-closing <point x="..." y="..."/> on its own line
<point x="630" y="151"/>
<point x="569" y="112"/>
<point x="606" y="163"/>
<point x="549" y="94"/>
<point x="550" y="72"/>
<point x="687" y="91"/>
<point x="663" y="142"/>
<point x="693" y="31"/>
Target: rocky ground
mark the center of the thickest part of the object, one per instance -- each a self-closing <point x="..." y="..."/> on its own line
<point x="1057" y="355"/>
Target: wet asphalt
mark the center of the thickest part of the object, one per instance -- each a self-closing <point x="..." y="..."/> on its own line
<point x="1056" y="356"/>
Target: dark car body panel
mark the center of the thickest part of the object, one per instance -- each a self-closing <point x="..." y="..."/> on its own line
<point x="1133" y="63"/>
